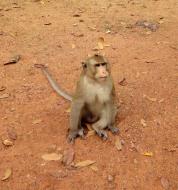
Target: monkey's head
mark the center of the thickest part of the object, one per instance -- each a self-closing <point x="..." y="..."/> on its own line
<point x="96" y="67"/>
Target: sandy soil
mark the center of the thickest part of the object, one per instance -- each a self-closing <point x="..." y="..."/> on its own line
<point x="61" y="34"/>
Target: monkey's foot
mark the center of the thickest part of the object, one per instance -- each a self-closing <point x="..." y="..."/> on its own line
<point x="73" y="135"/>
<point x="113" y="129"/>
<point x="102" y="134"/>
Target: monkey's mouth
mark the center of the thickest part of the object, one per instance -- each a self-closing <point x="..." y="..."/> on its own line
<point x="102" y="78"/>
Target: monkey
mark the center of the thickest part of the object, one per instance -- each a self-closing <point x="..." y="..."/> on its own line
<point x="94" y="100"/>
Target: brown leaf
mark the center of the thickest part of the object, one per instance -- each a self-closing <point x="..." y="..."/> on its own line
<point x="94" y="168"/>
<point x="148" y="154"/>
<point x="2" y="88"/>
<point x="170" y="149"/>
<point x="152" y="26"/>
<point x="42" y="2"/>
<point x="68" y="157"/>
<point x="68" y="110"/>
<point x="73" y="46"/>
<point x="51" y="157"/>
<point x="84" y="163"/>
<point x="90" y="133"/>
<point x="110" y="178"/>
<point x="118" y="144"/>
<point x="59" y="174"/>
<point x="7" y="142"/>
<point x="137" y="75"/>
<point x="76" y="15"/>
<point x="89" y="127"/>
<point x="149" y="98"/>
<point x="143" y="122"/>
<point x="36" y="121"/>
<point x="95" y="49"/>
<point x="78" y="34"/>
<point x="48" y="23"/>
<point x="162" y="100"/>
<point x="92" y="28"/>
<point x="133" y="147"/>
<point x="7" y="174"/>
<point x="13" y="60"/>
<point x="165" y="183"/>
<point x="101" y="43"/>
<point x="108" y="31"/>
<point x="123" y="82"/>
<point x="12" y="133"/>
<point x="3" y="96"/>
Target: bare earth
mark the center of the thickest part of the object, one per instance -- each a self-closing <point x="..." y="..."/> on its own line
<point x="61" y="34"/>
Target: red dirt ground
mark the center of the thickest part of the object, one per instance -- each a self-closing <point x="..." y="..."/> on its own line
<point x="51" y="32"/>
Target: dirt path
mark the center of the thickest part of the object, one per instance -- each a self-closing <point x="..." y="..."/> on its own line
<point x="61" y="35"/>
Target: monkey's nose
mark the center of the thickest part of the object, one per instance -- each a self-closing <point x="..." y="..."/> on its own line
<point x="104" y="73"/>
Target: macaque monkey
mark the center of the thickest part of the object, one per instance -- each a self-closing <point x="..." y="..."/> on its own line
<point x="94" y="98"/>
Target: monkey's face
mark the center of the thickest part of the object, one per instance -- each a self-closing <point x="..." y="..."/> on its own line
<point x="97" y="68"/>
<point x="101" y="71"/>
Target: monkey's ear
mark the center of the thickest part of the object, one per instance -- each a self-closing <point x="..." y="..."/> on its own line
<point x="84" y="65"/>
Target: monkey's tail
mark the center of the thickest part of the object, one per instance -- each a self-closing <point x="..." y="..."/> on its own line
<point x="53" y="83"/>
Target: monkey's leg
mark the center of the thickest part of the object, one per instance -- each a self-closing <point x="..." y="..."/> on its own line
<point x="75" y="121"/>
<point x="111" y="126"/>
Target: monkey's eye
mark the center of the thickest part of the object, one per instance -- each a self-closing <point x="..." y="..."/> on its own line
<point x="103" y="64"/>
<point x="84" y="65"/>
<point x="97" y="65"/>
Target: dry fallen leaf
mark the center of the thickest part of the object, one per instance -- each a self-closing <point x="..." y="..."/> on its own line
<point x="36" y="121"/>
<point x="48" y="23"/>
<point x="12" y="133"/>
<point x="160" y="21"/>
<point x="84" y="163"/>
<point x="110" y="178"/>
<point x="7" y="142"/>
<point x="76" y="15"/>
<point x="6" y="95"/>
<point x="137" y="75"/>
<point x="148" y="154"/>
<point x="118" y="144"/>
<point x="149" y="98"/>
<point x="7" y="174"/>
<point x="123" y="82"/>
<point x="101" y="43"/>
<point x="13" y="60"/>
<point x="143" y="122"/>
<point x="165" y="183"/>
<point x="58" y="174"/>
<point x="170" y="149"/>
<point x="68" y="157"/>
<point x="89" y="127"/>
<point x="2" y="88"/>
<point x="51" y="157"/>
<point x="152" y="26"/>
<point x="90" y="133"/>
<point x="73" y="46"/>
<point x="92" y="28"/>
<point x="42" y="2"/>
<point x="68" y="110"/>
<point x="94" y="168"/>
<point x="162" y="100"/>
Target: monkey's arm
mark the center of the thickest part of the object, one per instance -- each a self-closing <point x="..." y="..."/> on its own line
<point x="53" y="83"/>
